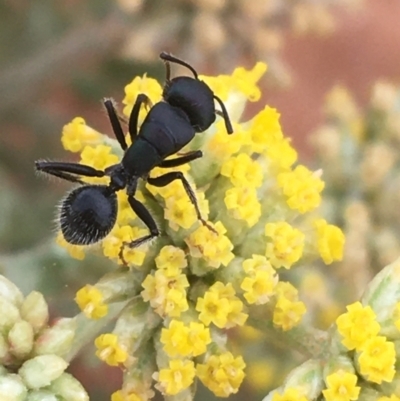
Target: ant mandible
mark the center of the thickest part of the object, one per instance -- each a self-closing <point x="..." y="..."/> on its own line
<point x="88" y="213"/>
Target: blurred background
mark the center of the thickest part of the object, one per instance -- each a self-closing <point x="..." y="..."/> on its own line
<point x="334" y="71"/>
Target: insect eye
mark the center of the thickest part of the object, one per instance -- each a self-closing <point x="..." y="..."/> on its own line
<point x="88" y="214"/>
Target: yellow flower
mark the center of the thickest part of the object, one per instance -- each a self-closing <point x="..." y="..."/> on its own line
<point x="243" y="204"/>
<point x="109" y="351"/>
<point x="341" y="387"/>
<point x="281" y="154"/>
<point x="265" y="130"/>
<point x="302" y="188"/>
<point x="377" y="359"/>
<point x="148" y="86"/>
<point x="113" y="245"/>
<point x="287" y="314"/>
<point x="213" y="309"/>
<point x="242" y="81"/>
<point x="179" y="211"/>
<point x="175" y="339"/>
<point x="245" y="81"/>
<point x="286" y="290"/>
<point x="76" y="135"/>
<point x="199" y="338"/>
<point x="222" y="374"/>
<point x="243" y="171"/>
<point x="222" y="146"/>
<point x="171" y="260"/>
<point x="256" y="263"/>
<point x="330" y="241"/>
<point x="177" y="377"/>
<point x="91" y="303"/>
<point x="214" y="249"/>
<point x="349" y="324"/>
<point x="125" y="213"/>
<point x="221" y="307"/>
<point x="167" y="295"/>
<point x="259" y="288"/>
<point x="183" y="340"/>
<point x="286" y="245"/>
<point x="98" y="157"/>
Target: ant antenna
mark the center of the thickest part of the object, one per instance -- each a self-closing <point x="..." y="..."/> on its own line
<point x="168" y="58"/>
<point x="224" y="114"/>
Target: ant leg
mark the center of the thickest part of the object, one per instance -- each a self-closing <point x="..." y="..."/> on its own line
<point x="134" y="117"/>
<point x="186" y="158"/>
<point x="224" y="114"/>
<point x="67" y="171"/>
<point x="169" y="58"/>
<point x="166" y="179"/>
<point x="115" y="123"/>
<point x="147" y="219"/>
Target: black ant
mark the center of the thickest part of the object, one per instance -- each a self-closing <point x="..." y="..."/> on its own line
<point x="89" y="212"/>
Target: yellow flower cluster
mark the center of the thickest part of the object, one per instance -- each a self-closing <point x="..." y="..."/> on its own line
<point x="222" y="374"/>
<point x="196" y="281"/>
<point x="341" y="386"/>
<point x="376" y="355"/>
<point x="358" y="358"/>
<point x="165" y="288"/>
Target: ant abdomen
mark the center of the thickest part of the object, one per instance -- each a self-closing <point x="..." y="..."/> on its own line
<point x="88" y="214"/>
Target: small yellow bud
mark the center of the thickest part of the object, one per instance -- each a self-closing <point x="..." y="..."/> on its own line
<point x="12" y="388"/>
<point x="35" y="311"/>
<point x="10" y="291"/>
<point x="9" y="314"/>
<point x="20" y="339"/>
<point x="69" y="388"/>
<point x="56" y="339"/>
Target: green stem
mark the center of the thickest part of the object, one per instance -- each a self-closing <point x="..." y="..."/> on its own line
<point x="88" y="329"/>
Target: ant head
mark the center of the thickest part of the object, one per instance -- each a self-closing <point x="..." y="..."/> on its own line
<point x="88" y="214"/>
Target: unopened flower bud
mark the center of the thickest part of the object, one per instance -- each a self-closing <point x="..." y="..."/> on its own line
<point x="69" y="388"/>
<point x="41" y="395"/>
<point x="41" y="370"/>
<point x="20" y="339"/>
<point x="9" y="314"/>
<point x="4" y="351"/>
<point x="12" y="388"/>
<point x="10" y="291"/>
<point x="307" y="378"/>
<point x="56" y="339"/>
<point x="35" y="311"/>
